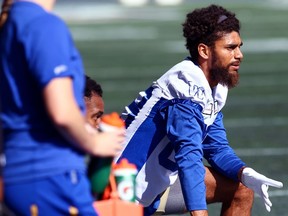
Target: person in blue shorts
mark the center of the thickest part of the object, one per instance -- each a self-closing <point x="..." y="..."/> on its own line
<point x="45" y="133"/>
<point x="177" y="122"/>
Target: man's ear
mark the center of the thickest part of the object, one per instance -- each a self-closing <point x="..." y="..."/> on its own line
<point x="203" y="51"/>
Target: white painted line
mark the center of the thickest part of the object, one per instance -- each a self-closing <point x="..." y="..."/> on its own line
<point x="278" y="193"/>
<point x="263" y="81"/>
<point x="115" y="33"/>
<point x="268" y="45"/>
<point x="109" y="12"/>
<point x="275" y="193"/>
<point x="256" y="122"/>
<point x="253" y="152"/>
<point x="257" y="100"/>
<point x="86" y="11"/>
<point x="79" y="12"/>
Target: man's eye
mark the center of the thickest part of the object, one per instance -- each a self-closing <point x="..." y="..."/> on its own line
<point x="98" y="116"/>
<point x="95" y="118"/>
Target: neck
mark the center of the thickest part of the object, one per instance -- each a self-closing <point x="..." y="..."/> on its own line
<point x="6" y="4"/>
<point x="204" y="67"/>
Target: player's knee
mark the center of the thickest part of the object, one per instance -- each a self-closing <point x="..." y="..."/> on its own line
<point x="245" y="194"/>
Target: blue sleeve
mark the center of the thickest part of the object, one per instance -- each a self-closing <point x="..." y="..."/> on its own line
<point x="185" y="130"/>
<point x="217" y="151"/>
<point x="50" y="50"/>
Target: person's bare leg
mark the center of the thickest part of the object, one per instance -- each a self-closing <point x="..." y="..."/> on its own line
<point x="236" y="199"/>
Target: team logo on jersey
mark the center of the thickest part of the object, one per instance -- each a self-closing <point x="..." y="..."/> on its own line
<point x="198" y="92"/>
<point x="211" y="108"/>
<point x="210" y="113"/>
<point x="60" y="69"/>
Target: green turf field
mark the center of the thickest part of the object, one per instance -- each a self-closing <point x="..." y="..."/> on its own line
<point x="126" y="49"/>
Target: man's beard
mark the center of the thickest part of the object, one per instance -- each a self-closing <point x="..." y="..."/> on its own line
<point x="220" y="74"/>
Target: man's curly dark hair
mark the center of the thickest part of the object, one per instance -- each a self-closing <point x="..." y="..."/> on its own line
<point x="206" y="25"/>
<point x="92" y="86"/>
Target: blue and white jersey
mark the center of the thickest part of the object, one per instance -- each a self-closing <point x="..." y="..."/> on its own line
<point x="170" y="127"/>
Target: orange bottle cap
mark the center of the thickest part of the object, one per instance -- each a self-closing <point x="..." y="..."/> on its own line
<point x="124" y="164"/>
<point x="113" y="119"/>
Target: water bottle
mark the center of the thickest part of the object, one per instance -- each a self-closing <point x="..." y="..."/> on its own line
<point x="125" y="176"/>
<point x="99" y="168"/>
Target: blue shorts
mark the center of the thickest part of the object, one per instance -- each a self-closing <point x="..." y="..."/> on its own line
<point x="64" y="194"/>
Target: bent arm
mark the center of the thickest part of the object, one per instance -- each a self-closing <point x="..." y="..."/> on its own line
<point x="184" y="130"/>
<point x="219" y="153"/>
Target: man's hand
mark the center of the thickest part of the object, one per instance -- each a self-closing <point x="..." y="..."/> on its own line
<point x="259" y="184"/>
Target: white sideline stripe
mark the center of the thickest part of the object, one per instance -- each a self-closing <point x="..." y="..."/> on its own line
<point x="265" y="45"/>
<point x="263" y="81"/>
<point x="278" y="193"/>
<point x="257" y="100"/>
<point x="256" y="122"/>
<point x="275" y="193"/>
<point x="253" y="152"/>
<point x="115" y="33"/>
<point x="107" y="12"/>
<point x="268" y="45"/>
<point x="95" y="11"/>
<point x="267" y="81"/>
<point x="87" y="12"/>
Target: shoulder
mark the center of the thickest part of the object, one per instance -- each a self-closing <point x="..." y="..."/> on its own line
<point x="177" y="77"/>
<point x="31" y="17"/>
<point x="47" y="29"/>
<point x="49" y="23"/>
<point x="185" y="81"/>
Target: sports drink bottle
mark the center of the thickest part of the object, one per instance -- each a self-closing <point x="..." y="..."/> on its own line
<point x="125" y="176"/>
